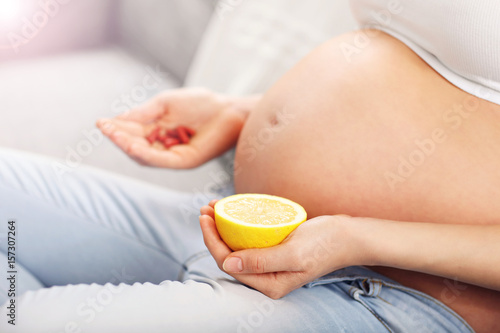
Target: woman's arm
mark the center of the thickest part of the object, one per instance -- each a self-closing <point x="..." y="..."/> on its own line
<point x="324" y="244"/>
<point x="469" y="253"/>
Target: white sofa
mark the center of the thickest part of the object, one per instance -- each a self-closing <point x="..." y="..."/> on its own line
<point x="90" y="59"/>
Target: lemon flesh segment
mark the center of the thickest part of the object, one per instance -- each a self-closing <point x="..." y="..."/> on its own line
<point x="256" y="220"/>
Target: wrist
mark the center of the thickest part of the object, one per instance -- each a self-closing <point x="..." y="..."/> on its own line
<point x="241" y="104"/>
<point x="343" y="241"/>
<point x="382" y="242"/>
<point x="363" y="241"/>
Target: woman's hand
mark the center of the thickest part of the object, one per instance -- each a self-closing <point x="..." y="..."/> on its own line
<point x="217" y="120"/>
<point x="467" y="253"/>
<point x="317" y="247"/>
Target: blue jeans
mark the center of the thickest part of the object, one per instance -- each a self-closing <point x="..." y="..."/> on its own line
<point x="101" y="253"/>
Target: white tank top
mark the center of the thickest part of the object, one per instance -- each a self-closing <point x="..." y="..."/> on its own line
<point x="460" y="39"/>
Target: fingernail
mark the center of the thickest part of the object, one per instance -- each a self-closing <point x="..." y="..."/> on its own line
<point x="106" y="127"/>
<point x="233" y="265"/>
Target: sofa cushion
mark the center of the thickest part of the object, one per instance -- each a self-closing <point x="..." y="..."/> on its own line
<point x="166" y="31"/>
<point x="250" y="44"/>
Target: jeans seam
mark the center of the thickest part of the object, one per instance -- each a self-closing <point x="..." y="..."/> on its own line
<point x="384" y="300"/>
<point x="191" y="260"/>
<point x="370" y="310"/>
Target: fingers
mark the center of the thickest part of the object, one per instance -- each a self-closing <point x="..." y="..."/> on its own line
<point x="129" y="136"/>
<point x="274" y="284"/>
<point x="207" y="210"/>
<point x="105" y="126"/>
<point x="278" y="258"/>
<point x="109" y="126"/>
<point x="134" y="143"/>
<point x="125" y="141"/>
<point x="217" y="248"/>
<point x="177" y="157"/>
<point x="138" y="148"/>
<point x="146" y="113"/>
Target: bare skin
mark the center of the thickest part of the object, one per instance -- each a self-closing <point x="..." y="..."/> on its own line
<point x="331" y="135"/>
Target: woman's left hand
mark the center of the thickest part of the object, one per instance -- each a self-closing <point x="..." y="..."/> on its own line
<point x="317" y="247"/>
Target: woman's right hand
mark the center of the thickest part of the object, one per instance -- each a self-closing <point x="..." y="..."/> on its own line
<point x="317" y="247"/>
<point x="216" y="119"/>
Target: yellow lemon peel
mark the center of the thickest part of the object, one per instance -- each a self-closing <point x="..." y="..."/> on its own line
<point x="256" y="220"/>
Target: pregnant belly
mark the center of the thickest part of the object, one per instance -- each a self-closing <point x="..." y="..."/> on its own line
<point x="282" y="153"/>
<point x="330" y="131"/>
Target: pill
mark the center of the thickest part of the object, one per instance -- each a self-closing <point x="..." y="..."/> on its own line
<point x="170" y="142"/>
<point x="173" y="133"/>
<point x="153" y="136"/>
<point x="191" y="132"/>
<point x="183" y="136"/>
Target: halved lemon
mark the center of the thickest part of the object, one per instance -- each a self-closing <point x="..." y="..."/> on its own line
<point x="256" y="220"/>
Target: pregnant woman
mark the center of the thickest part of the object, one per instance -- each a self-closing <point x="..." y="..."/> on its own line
<point x="390" y="139"/>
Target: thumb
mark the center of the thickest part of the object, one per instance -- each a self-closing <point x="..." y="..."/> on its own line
<point x="257" y="261"/>
<point x="145" y="113"/>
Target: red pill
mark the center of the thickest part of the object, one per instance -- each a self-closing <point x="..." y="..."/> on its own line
<point x="169" y="142"/>
<point x="172" y="133"/>
<point x="153" y="136"/>
<point x="183" y="136"/>
<point x="191" y="132"/>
